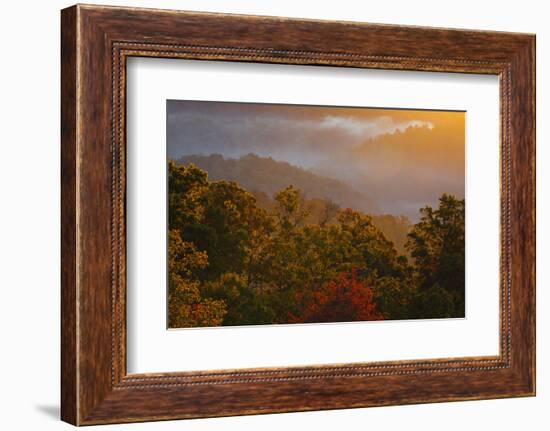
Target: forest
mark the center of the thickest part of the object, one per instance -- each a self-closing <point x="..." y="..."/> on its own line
<point x="241" y="257"/>
<point x="264" y="176"/>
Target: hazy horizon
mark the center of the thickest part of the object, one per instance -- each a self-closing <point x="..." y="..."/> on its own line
<point x="401" y="159"/>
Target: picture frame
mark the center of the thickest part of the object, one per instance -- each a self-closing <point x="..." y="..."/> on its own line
<point x="96" y="42"/>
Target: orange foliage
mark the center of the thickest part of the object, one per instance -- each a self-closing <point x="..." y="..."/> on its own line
<point x="344" y="298"/>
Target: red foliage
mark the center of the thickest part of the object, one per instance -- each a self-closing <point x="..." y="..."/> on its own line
<point x="343" y="299"/>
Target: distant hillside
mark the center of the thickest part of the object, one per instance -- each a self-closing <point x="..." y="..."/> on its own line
<point x="261" y="174"/>
<point x="395" y="228"/>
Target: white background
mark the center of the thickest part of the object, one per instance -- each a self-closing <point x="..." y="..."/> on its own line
<point x="151" y="348"/>
<point x="29" y="216"/>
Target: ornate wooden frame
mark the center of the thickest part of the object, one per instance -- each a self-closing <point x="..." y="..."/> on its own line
<point x="96" y="41"/>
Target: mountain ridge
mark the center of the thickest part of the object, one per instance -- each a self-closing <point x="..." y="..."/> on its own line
<point x="267" y="175"/>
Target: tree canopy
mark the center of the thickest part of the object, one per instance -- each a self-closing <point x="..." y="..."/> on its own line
<point x="238" y="258"/>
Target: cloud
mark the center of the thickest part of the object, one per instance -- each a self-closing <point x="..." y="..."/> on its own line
<point x="369" y="128"/>
<point x="402" y="158"/>
<point x="302" y="136"/>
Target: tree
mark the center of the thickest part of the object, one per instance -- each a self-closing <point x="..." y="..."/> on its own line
<point x="245" y="304"/>
<point x="378" y="255"/>
<point x="395" y="297"/>
<point x="436" y="244"/>
<point x="343" y="299"/>
<point x="290" y="207"/>
<point x="218" y="217"/>
<point x="186" y="307"/>
<point x="186" y="187"/>
<point x="237" y="258"/>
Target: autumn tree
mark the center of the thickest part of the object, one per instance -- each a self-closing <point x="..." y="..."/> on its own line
<point x="241" y="258"/>
<point x="186" y="188"/>
<point x="345" y="298"/>
<point x="186" y="306"/>
<point x="290" y="207"/>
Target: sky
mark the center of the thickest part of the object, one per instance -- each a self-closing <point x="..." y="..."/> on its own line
<point x="403" y="159"/>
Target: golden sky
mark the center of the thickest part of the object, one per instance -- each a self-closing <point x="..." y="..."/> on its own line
<point x="402" y="158"/>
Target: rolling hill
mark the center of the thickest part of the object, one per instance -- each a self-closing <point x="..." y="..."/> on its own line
<point x="264" y="174"/>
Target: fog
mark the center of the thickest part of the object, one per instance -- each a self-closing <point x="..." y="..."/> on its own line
<point x="401" y="159"/>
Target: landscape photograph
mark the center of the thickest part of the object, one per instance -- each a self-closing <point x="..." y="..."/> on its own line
<point x="302" y="214"/>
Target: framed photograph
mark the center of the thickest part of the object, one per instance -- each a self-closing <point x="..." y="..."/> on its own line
<point x="264" y="215"/>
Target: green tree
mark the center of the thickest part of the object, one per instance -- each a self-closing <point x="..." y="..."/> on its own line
<point x="436" y="243"/>
<point x="237" y="258"/>
<point x="219" y="218"/>
<point x="378" y="254"/>
<point x="395" y="297"/>
<point x="246" y="305"/>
